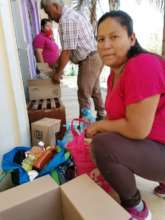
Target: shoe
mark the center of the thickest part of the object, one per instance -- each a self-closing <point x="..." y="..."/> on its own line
<point x="160" y="190"/>
<point x="99" y="118"/>
<point x="143" y="215"/>
<point x="100" y="115"/>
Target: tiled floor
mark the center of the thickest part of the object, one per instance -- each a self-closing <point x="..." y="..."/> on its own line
<point x="69" y="97"/>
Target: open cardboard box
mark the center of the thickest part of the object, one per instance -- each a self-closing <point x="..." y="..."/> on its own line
<point x="43" y="199"/>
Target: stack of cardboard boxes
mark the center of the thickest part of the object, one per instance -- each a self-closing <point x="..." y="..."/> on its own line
<point x="45" y="102"/>
<point x="43" y="199"/>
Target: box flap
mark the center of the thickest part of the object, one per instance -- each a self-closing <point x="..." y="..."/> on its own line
<point x="83" y="199"/>
<point x="37" y="200"/>
<point x="41" y="82"/>
<point x="48" y="122"/>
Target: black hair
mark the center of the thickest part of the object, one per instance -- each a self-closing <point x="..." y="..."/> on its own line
<point x="125" y="20"/>
<point x="44" y="21"/>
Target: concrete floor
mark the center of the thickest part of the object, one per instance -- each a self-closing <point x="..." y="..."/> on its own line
<point x="69" y="98"/>
<point x="156" y="204"/>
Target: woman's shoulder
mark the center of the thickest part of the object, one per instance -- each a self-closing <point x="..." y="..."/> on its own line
<point x="145" y="64"/>
<point x="40" y="36"/>
<point x="145" y="59"/>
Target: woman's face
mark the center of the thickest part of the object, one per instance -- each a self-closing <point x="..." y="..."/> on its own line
<point x="47" y="27"/>
<point x="113" y="42"/>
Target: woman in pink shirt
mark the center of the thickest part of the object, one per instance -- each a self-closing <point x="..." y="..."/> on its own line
<point x="131" y="140"/>
<point x="46" y="49"/>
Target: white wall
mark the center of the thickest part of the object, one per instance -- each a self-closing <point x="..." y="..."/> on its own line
<point x="14" y="126"/>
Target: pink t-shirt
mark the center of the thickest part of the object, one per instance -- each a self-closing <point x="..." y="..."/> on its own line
<point x="50" y="48"/>
<point x="143" y="76"/>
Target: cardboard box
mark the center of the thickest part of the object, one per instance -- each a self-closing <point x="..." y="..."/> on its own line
<point x="57" y="112"/>
<point x="43" y="199"/>
<point x="45" y="130"/>
<point x="43" y="89"/>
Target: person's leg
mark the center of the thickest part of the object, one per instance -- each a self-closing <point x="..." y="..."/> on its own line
<point x="83" y="84"/>
<point x="96" y="94"/>
<point x="87" y="77"/>
<point x="119" y="158"/>
<point x="98" y="102"/>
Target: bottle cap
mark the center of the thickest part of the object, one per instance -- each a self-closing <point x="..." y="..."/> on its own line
<point x="41" y="144"/>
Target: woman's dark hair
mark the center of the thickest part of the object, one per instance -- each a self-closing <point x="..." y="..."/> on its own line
<point x="44" y="21"/>
<point x="125" y="20"/>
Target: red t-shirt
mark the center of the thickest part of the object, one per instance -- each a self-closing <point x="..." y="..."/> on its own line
<point x="50" y="48"/>
<point x="143" y="76"/>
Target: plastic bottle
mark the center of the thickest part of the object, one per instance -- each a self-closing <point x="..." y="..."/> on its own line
<point x="28" y="162"/>
<point x="41" y="144"/>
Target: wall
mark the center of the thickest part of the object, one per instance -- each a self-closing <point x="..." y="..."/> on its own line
<point x="26" y="23"/>
<point x="14" y="126"/>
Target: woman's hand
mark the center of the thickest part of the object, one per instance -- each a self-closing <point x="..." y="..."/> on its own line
<point x="93" y="129"/>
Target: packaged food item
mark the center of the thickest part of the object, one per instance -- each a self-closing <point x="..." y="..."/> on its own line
<point x="36" y="151"/>
<point x="45" y="158"/>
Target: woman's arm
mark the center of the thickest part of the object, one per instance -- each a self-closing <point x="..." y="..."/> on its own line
<point x="39" y="55"/>
<point x="136" y="125"/>
<point x="61" y="63"/>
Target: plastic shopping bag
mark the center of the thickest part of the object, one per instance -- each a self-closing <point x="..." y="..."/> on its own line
<point x="80" y="152"/>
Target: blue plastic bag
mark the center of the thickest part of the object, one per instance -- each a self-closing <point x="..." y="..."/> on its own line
<point x="9" y="166"/>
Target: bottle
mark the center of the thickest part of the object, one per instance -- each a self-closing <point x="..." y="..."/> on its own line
<point x="28" y="162"/>
<point x="41" y="144"/>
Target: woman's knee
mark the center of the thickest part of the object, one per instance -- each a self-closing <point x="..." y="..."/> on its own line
<point x="105" y="144"/>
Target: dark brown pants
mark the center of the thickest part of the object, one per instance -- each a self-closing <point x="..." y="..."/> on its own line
<point x="88" y="83"/>
<point x="119" y="158"/>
